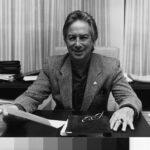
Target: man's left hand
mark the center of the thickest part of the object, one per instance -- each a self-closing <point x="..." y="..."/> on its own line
<point x="123" y="116"/>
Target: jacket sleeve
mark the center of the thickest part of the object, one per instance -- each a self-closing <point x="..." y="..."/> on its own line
<point x="36" y="93"/>
<point x="123" y="93"/>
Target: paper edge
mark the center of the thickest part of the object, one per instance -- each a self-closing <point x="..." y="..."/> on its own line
<point x="63" y="130"/>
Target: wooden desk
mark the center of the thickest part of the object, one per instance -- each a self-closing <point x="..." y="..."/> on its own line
<point x="32" y="129"/>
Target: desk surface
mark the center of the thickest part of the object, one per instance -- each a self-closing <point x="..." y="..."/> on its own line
<point x="32" y="129"/>
<point x="15" y="84"/>
<point x="140" y="85"/>
<point x="14" y="89"/>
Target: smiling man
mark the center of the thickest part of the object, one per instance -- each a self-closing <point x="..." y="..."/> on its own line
<point x="80" y="45"/>
<point x="81" y="80"/>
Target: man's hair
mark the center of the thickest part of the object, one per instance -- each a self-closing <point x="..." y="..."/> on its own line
<point x="83" y="16"/>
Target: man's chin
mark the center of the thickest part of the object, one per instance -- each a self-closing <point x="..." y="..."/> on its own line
<point x="78" y="56"/>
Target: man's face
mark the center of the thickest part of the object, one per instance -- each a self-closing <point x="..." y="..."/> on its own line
<point x="79" y="41"/>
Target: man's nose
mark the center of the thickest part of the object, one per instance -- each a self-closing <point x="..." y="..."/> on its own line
<point x="77" y="44"/>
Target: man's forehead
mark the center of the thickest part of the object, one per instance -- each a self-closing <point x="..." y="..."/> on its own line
<point x="79" y="26"/>
<point x="80" y="23"/>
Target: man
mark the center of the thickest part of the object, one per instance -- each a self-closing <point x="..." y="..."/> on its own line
<point x="80" y="79"/>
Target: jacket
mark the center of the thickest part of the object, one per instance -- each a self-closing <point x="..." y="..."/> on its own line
<point x="104" y="75"/>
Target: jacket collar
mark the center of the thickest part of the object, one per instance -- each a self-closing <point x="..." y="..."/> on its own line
<point x="65" y="83"/>
<point x="94" y="81"/>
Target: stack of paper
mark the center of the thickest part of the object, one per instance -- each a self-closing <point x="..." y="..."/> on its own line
<point x="30" y="78"/>
<point x="7" y="77"/>
<point x="145" y="78"/>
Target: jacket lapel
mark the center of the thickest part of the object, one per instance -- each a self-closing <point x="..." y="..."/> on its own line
<point x="94" y="81"/>
<point x="65" y="83"/>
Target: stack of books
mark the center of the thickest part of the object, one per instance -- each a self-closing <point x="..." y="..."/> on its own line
<point x="9" y="70"/>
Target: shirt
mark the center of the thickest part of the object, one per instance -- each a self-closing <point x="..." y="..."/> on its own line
<point x="79" y="79"/>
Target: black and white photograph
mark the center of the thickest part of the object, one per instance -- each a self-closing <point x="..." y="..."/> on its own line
<point x="74" y="74"/>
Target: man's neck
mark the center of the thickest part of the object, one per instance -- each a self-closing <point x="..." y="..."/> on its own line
<point x="81" y="65"/>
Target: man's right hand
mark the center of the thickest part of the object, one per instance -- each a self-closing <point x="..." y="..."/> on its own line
<point x="3" y="109"/>
<point x="9" y="119"/>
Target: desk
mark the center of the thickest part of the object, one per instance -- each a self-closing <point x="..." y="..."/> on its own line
<point x="32" y="129"/>
<point x="14" y="89"/>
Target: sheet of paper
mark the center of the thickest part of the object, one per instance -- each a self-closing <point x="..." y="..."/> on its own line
<point x="56" y="123"/>
<point x="139" y="78"/>
<point x="8" y="77"/>
<point x="35" y="118"/>
<point x="63" y="130"/>
<point x="30" y="78"/>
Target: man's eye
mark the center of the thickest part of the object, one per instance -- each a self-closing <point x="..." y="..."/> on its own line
<point x="84" y="37"/>
<point x="72" y="38"/>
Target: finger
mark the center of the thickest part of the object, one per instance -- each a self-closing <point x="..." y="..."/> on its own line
<point x="1" y="111"/>
<point x="124" y="126"/>
<point x="5" y="113"/>
<point x="112" y="123"/>
<point x="131" y="125"/>
<point x="116" y="126"/>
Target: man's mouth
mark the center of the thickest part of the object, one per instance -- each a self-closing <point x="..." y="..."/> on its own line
<point x="78" y="52"/>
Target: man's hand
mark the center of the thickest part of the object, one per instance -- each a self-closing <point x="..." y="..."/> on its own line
<point x="4" y="114"/>
<point x="124" y="116"/>
<point x="3" y="109"/>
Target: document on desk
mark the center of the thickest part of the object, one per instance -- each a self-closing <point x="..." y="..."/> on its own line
<point x="145" y="78"/>
<point x="7" y="77"/>
<point x="30" y="78"/>
<point x="35" y="118"/>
